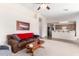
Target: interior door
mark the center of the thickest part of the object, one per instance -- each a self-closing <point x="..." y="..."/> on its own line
<point x="49" y="32"/>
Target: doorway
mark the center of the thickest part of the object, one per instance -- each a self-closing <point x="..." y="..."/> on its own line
<point x="49" y="31"/>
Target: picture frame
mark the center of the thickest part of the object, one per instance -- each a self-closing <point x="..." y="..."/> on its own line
<point x="20" y="25"/>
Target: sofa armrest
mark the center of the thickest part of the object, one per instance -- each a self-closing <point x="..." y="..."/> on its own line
<point x="14" y="45"/>
<point x="12" y="42"/>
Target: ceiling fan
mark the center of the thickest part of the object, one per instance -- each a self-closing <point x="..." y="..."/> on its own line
<point x="43" y="6"/>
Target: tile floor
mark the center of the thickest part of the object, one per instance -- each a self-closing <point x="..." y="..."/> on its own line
<point x="54" y="48"/>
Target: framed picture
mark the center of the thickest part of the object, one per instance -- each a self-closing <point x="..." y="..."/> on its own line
<point x="20" y="25"/>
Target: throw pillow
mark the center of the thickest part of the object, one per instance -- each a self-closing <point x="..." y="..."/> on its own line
<point x="16" y="37"/>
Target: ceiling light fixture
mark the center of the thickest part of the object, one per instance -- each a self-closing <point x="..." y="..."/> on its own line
<point x="43" y="6"/>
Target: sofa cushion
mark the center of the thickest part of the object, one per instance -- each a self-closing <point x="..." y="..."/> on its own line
<point x="16" y="38"/>
<point x="29" y="40"/>
<point x="25" y="36"/>
<point x="22" y="44"/>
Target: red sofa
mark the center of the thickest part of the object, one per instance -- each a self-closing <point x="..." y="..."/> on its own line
<point x="18" y="41"/>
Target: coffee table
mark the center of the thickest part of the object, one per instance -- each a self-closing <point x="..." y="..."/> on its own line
<point x="31" y="47"/>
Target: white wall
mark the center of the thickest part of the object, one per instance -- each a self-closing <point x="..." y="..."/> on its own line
<point x="77" y="26"/>
<point x="9" y="14"/>
<point x="44" y="26"/>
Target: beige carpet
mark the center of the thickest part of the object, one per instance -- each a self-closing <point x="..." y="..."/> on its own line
<point x="54" y="48"/>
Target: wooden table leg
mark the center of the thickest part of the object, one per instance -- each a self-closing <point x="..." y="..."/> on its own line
<point x="32" y="50"/>
<point x="32" y="54"/>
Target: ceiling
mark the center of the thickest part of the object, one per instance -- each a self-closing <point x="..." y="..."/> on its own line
<point x="56" y="11"/>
